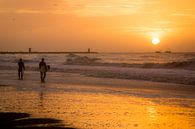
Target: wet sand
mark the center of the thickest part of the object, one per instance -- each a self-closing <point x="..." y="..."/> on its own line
<point x="86" y="102"/>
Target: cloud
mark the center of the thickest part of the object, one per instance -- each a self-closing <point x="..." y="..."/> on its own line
<point x="149" y="31"/>
<point x="94" y="8"/>
<point x="183" y="14"/>
<point x="108" y="7"/>
<point x="145" y="29"/>
<point x="84" y="8"/>
<point x="29" y="11"/>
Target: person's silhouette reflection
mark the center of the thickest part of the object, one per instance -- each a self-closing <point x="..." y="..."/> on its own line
<point x="41" y="95"/>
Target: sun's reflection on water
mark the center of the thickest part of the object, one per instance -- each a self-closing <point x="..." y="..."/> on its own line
<point x="152" y="112"/>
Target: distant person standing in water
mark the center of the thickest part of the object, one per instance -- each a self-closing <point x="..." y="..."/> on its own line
<point x="21" y="69"/>
<point x="43" y="69"/>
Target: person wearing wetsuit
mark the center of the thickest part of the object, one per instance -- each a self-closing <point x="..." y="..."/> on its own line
<point x="43" y="69"/>
<point x="21" y="69"/>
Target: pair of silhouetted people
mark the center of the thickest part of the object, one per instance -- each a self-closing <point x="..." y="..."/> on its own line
<point x="42" y="68"/>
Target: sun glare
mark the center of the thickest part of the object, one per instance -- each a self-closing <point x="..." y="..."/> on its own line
<point x="155" y="41"/>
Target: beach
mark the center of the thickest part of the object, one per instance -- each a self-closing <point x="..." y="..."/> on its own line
<point x="97" y="64"/>
<point x="85" y="102"/>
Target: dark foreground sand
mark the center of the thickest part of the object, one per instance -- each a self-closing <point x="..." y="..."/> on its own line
<point x="13" y="120"/>
<point x="75" y="101"/>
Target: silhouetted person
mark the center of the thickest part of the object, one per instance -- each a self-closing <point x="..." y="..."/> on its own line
<point x="21" y="69"/>
<point x="43" y="69"/>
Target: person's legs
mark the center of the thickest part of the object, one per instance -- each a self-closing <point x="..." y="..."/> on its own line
<point x="44" y="75"/>
<point x="18" y="74"/>
<point x="22" y="74"/>
<point x="41" y="76"/>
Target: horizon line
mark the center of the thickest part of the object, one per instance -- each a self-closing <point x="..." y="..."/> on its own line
<point x="85" y="52"/>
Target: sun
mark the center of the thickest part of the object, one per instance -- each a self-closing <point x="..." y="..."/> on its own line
<point x="155" y="41"/>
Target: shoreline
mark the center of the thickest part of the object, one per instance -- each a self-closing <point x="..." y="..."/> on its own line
<point x="181" y="76"/>
<point x="9" y="78"/>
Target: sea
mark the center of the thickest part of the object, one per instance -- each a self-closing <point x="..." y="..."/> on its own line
<point x="99" y="91"/>
<point x="160" y="67"/>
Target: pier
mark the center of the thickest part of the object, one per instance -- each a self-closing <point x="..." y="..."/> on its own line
<point x="48" y="52"/>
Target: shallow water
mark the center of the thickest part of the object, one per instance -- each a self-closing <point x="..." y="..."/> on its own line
<point x="89" y="106"/>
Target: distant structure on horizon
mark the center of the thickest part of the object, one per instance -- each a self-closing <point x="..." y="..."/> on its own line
<point x="29" y="50"/>
<point x="164" y="52"/>
<point x="168" y="52"/>
<point x="89" y="50"/>
<point x="47" y="52"/>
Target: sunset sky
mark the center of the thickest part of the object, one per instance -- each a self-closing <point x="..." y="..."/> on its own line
<point x="102" y="25"/>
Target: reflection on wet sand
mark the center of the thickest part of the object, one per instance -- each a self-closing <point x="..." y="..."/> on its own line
<point x="91" y="107"/>
<point x="41" y="95"/>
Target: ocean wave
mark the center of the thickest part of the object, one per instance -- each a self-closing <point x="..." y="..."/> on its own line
<point x="178" y="76"/>
<point x="189" y="65"/>
<point x="73" y="59"/>
<point x="27" y="68"/>
<point x="173" y="72"/>
<point x="4" y="60"/>
<point x="78" y="60"/>
<point x="25" y="61"/>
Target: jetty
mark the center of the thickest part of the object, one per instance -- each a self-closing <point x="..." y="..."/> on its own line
<point x="48" y="52"/>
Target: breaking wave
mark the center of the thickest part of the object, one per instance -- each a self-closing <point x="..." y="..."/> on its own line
<point x="73" y="59"/>
<point x="81" y="60"/>
<point x="173" y="72"/>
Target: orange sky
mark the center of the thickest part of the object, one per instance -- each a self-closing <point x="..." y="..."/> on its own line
<point x="102" y="25"/>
